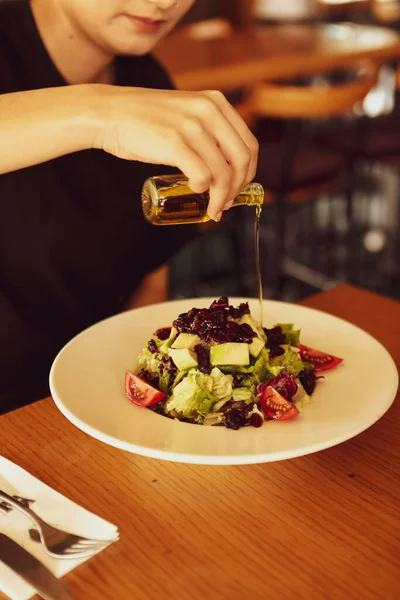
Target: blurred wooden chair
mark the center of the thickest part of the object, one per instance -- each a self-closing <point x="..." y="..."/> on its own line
<point x="382" y="134"/>
<point x="293" y="168"/>
<point x="378" y="123"/>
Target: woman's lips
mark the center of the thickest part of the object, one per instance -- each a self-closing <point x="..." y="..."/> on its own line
<point x="145" y="25"/>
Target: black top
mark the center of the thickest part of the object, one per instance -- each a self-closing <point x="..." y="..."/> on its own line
<point x="73" y="239"/>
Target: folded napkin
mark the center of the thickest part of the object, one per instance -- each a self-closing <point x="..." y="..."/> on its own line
<point x="53" y="508"/>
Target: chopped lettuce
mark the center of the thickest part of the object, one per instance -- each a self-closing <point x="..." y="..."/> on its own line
<point x="212" y="418"/>
<point x="260" y="369"/>
<point x="243" y="394"/>
<point x="198" y="392"/>
<point x="222" y="384"/>
<point x="292" y="336"/>
<point x="218" y="405"/>
<point x="154" y="364"/>
<point x="149" y="361"/>
<point x="301" y="398"/>
<point x="192" y="395"/>
<point x="290" y="362"/>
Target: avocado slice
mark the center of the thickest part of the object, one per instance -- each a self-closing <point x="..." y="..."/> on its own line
<point x="183" y="358"/>
<point x="231" y="353"/>
<point x="256" y="346"/>
<point x="258" y="342"/>
<point x="168" y="342"/>
<point x="186" y="340"/>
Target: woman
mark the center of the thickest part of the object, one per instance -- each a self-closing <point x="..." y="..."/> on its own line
<point x="78" y="92"/>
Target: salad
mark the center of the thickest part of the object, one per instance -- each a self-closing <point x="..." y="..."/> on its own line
<point x="219" y="366"/>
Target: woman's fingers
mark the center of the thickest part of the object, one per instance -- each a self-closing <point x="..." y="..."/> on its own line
<point x="197" y="132"/>
<point x="236" y="153"/>
<point x="198" y="136"/>
<point x="228" y="152"/>
<point x="247" y="137"/>
<point x="187" y="160"/>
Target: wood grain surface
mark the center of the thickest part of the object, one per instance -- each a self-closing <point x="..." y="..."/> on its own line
<point x="262" y="52"/>
<point x="323" y="526"/>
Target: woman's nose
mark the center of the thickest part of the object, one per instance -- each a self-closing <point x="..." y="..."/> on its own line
<point x="164" y="4"/>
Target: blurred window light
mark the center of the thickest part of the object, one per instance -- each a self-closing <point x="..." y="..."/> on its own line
<point x="380" y="100"/>
<point x="209" y="29"/>
<point x="285" y="10"/>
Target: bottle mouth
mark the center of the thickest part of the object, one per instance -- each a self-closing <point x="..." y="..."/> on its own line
<point x="149" y="203"/>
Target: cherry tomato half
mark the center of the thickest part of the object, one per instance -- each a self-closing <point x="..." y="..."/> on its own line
<point x="275" y="406"/>
<point x="320" y="360"/>
<point x="140" y="392"/>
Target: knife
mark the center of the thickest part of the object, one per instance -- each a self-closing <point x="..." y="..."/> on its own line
<point x="32" y="570"/>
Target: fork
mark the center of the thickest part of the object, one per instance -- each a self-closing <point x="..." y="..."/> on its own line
<point x="56" y="542"/>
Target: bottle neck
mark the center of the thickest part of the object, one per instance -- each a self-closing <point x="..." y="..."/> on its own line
<point x="252" y="195"/>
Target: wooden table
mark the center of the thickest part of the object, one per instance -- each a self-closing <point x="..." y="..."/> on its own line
<point x="324" y="526"/>
<point x="266" y="52"/>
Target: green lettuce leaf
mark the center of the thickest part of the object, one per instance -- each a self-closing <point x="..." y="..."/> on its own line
<point x="243" y="394"/>
<point x="152" y="362"/>
<point x="148" y="360"/>
<point x="290" y="362"/>
<point x="222" y="384"/>
<point x="192" y="395"/>
<point x="292" y="335"/>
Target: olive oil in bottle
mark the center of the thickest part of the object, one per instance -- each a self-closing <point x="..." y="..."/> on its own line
<point x="168" y="200"/>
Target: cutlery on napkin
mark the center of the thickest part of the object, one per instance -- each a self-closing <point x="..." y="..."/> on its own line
<point x="32" y="570"/>
<point x="54" y="508"/>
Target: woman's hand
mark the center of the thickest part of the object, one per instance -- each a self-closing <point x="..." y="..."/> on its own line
<point x="200" y="133"/>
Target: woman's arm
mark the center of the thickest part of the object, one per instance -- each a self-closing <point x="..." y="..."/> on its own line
<point x="39" y="125"/>
<point x="198" y="132"/>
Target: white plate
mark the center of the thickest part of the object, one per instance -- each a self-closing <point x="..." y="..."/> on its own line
<point x="87" y="384"/>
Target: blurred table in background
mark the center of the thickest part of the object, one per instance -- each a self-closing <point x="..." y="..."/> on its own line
<point x="287" y="11"/>
<point x="386" y="12"/>
<point x="380" y="12"/>
<point x="260" y="52"/>
<point x="344" y="9"/>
